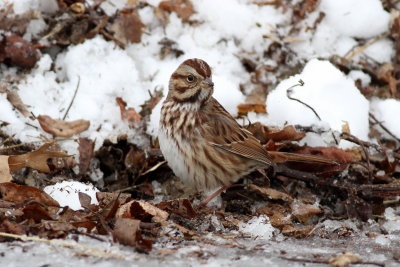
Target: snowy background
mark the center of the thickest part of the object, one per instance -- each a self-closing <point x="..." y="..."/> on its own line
<point x="227" y="30"/>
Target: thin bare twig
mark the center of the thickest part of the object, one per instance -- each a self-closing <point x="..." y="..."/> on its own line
<point x="289" y="91"/>
<point x="73" y="98"/>
<point x="383" y="127"/>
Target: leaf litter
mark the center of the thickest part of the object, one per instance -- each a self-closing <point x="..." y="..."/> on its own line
<point x="295" y="199"/>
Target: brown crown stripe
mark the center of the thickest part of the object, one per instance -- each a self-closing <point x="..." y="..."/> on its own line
<point x="200" y="66"/>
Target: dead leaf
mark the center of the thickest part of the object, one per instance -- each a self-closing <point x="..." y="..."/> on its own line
<point x="62" y="128"/>
<point x="333" y="153"/>
<point x="86" y="152"/>
<point x="22" y="193"/>
<point x="181" y="207"/>
<point x="255" y="101"/>
<point x="346" y="127"/>
<point x="271" y="193"/>
<point x="19" y="51"/>
<point x="141" y="210"/>
<point x="183" y="8"/>
<point x="385" y="73"/>
<point x="344" y="260"/>
<point x="128" y="27"/>
<point x="5" y="175"/>
<point x="36" y="212"/>
<point x="303" y="212"/>
<point x="130" y="115"/>
<point x="36" y="159"/>
<point x="289" y="133"/>
<point x="15" y="100"/>
<point x="127" y="232"/>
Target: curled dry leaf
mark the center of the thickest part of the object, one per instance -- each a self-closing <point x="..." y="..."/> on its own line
<point x="62" y="128"/>
<point x="181" y="207"/>
<point x="19" y="51"/>
<point x="22" y="193"/>
<point x="255" y="101"/>
<point x="126" y="231"/>
<point x="128" y="27"/>
<point x="36" y="159"/>
<point x="15" y="100"/>
<point x="344" y="260"/>
<point x="332" y="153"/>
<point x="141" y="210"/>
<point x="86" y="151"/>
<point x="5" y="175"/>
<point x="303" y="212"/>
<point x="289" y="133"/>
<point x="183" y="8"/>
<point x="130" y="115"/>
<point x="271" y="193"/>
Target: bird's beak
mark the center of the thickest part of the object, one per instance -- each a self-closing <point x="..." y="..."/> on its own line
<point x="209" y="82"/>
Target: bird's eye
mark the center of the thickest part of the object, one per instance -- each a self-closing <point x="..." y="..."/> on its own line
<point x="190" y="78"/>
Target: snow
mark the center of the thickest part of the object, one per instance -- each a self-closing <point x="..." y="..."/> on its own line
<point x="329" y="92"/>
<point x="384" y="110"/>
<point x="258" y="227"/>
<point x="392" y="224"/>
<point x="224" y="32"/>
<point x="67" y="193"/>
<point x="356" y="18"/>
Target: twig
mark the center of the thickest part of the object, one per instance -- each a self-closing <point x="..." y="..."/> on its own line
<point x="365" y="46"/>
<point x="91" y="251"/>
<point x="73" y="98"/>
<point x="327" y="261"/>
<point x="383" y="127"/>
<point x="155" y="167"/>
<point x="289" y="91"/>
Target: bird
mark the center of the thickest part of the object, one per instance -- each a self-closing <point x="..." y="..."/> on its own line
<point x="203" y="144"/>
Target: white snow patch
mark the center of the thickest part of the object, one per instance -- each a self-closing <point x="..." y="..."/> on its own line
<point x="332" y="95"/>
<point x="356" y="18"/>
<point x="67" y="193"/>
<point x="258" y="227"/>
<point x="386" y="111"/>
<point x="392" y="223"/>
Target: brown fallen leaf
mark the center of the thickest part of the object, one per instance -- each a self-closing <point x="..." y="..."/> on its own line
<point x="271" y="193"/>
<point x="332" y="153"/>
<point x="19" y="51"/>
<point x="141" y="210"/>
<point x="36" y="212"/>
<point x="5" y="175"/>
<point x="15" y="100"/>
<point x="303" y="212"/>
<point x="22" y="193"/>
<point x="289" y="133"/>
<point x="255" y="101"/>
<point x="130" y="115"/>
<point x="36" y="159"/>
<point x="183" y="8"/>
<point x="86" y="152"/>
<point x="127" y="232"/>
<point x="62" y="128"/>
<point x="181" y="207"/>
<point x="128" y="27"/>
<point x="344" y="260"/>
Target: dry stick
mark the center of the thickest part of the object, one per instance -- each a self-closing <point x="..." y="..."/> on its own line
<point x="73" y="98"/>
<point x="383" y="127"/>
<point x="365" y="46"/>
<point x="91" y="251"/>
<point x="327" y="261"/>
<point x="289" y="91"/>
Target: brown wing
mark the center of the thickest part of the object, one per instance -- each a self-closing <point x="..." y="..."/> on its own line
<point x="224" y="133"/>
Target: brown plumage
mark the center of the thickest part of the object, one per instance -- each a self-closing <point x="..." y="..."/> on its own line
<point x="202" y="142"/>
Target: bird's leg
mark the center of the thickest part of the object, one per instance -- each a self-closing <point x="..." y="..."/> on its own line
<point x="204" y="202"/>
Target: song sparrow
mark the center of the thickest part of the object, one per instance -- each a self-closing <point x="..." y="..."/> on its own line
<point x="202" y="142"/>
